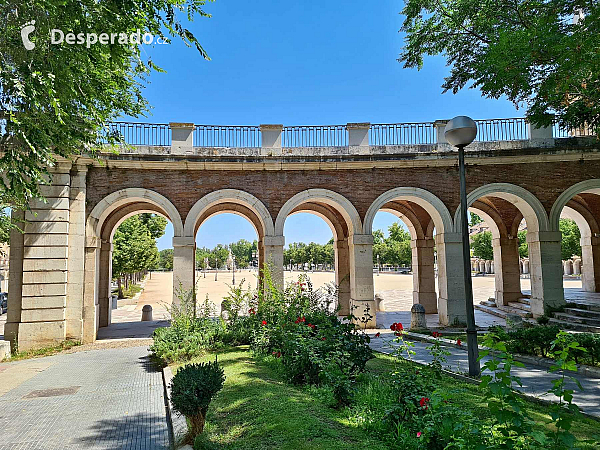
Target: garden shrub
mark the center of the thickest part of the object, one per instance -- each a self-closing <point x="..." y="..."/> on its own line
<point x="192" y="389"/>
<point x="300" y="327"/>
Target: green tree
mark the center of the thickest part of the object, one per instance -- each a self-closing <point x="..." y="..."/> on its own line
<point x="482" y="245"/>
<point x="398" y="233"/>
<point x="475" y="219"/>
<point x="218" y="256"/>
<point x="530" y="51"/>
<point x="571" y="239"/>
<point x="523" y="247"/>
<point x="58" y="99"/>
<point x="165" y="259"/>
<point x="242" y="250"/>
<point x="155" y="224"/>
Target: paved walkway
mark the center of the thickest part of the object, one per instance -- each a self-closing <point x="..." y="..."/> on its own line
<point x="100" y="399"/>
<point x="536" y="380"/>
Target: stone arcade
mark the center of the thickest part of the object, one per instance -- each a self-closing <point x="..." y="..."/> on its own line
<point x="60" y="267"/>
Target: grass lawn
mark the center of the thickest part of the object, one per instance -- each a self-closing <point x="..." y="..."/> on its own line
<point x="257" y="410"/>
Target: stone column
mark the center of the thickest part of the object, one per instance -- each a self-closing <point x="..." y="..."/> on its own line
<point x="45" y="259"/>
<point x="362" y="295"/>
<point x="273" y="251"/>
<point x="342" y="275"/>
<point x="91" y="313"/>
<point x="105" y="277"/>
<point x="451" y="301"/>
<point x="271" y="139"/>
<point x="184" y="266"/>
<point x="424" y="274"/>
<point x="546" y="271"/>
<point x="590" y="271"/>
<point x="76" y="273"/>
<point x="507" y="271"/>
<point x="182" y="138"/>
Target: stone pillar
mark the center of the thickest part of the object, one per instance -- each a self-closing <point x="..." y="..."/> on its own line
<point x="91" y="313"/>
<point x="488" y="267"/>
<point x="546" y="271"/>
<point x="362" y="293"/>
<point x="507" y="271"/>
<point x="44" y="265"/>
<point x="481" y="266"/>
<point x="451" y="301"/>
<point x="273" y="250"/>
<point x="342" y="275"/>
<point x="105" y="277"/>
<point x="271" y="139"/>
<point x="76" y="273"/>
<point x="568" y="267"/>
<point x="590" y="271"/>
<point x="358" y="134"/>
<point x="440" y="128"/>
<point x="184" y="266"/>
<point x="526" y="265"/>
<point x="182" y="138"/>
<point x="577" y="266"/>
<point x="424" y="274"/>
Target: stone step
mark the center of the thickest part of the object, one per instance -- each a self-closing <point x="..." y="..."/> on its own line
<point x="526" y="296"/>
<point x="586" y="306"/>
<point x="577" y="319"/>
<point x="583" y="313"/>
<point x="575" y="326"/>
<point x="491" y="310"/>
<point x="488" y="303"/>
<point x="511" y="310"/>
<point x="519" y="305"/>
<point x="525" y="300"/>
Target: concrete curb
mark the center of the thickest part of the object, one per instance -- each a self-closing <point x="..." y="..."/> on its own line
<point x="582" y="369"/>
<point x="176" y="423"/>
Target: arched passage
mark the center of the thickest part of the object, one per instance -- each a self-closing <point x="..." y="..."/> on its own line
<point x="101" y="224"/>
<point x="353" y="249"/>
<point x="218" y="202"/>
<point x="581" y="203"/>
<point x="423" y="213"/>
<point x="511" y="203"/>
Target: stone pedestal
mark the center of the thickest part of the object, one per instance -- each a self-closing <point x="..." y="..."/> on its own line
<point x="546" y="271"/>
<point x="423" y="269"/>
<point x="273" y="257"/>
<point x="418" y="320"/>
<point x="361" y="278"/>
<point x="507" y="272"/>
<point x="147" y="313"/>
<point x="342" y="275"/>
<point x="184" y="267"/>
<point x="451" y="302"/>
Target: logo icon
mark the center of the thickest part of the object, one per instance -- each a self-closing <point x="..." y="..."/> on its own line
<point x="27" y="29"/>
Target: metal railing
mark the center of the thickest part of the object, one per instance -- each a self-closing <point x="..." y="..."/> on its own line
<point x="402" y="134"/>
<point x="152" y="134"/>
<point x="562" y="132"/>
<point x="515" y="129"/>
<point x="314" y="136"/>
<point x="227" y="136"/>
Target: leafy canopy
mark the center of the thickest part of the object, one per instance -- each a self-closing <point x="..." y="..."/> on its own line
<point x="531" y="51"/>
<point x="56" y="99"/>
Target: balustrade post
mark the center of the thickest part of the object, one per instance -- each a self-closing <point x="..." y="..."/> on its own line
<point x="543" y="134"/>
<point x="271" y="139"/>
<point x="182" y="138"/>
<point x="358" y="137"/>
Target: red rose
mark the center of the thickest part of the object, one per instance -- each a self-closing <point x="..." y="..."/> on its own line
<point x="458" y="342"/>
<point x="399" y="327"/>
<point x="419" y="434"/>
<point x="377" y="335"/>
<point x="311" y="325"/>
<point x="436" y="335"/>
<point x="264" y="322"/>
<point x="423" y="402"/>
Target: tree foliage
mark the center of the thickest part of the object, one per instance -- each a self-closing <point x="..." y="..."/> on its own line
<point x="395" y="249"/>
<point x="134" y="247"/>
<point x="482" y="245"/>
<point x="57" y="99"/>
<point x="571" y="239"/>
<point x="165" y="259"/>
<point x="530" y="51"/>
<point x="475" y="219"/>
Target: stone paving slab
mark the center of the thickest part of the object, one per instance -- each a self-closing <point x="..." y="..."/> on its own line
<point x="113" y="399"/>
<point x="536" y="380"/>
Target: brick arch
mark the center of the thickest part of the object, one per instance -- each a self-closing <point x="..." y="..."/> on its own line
<point x="331" y="217"/>
<point x="144" y="199"/>
<point x="529" y="205"/>
<point x="425" y="199"/>
<point x="337" y="201"/>
<point x="491" y="218"/>
<point x="567" y="195"/>
<point x="231" y="208"/>
<point x="228" y="196"/>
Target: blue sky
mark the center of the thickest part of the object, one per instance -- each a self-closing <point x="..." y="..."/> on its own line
<point x="300" y="63"/>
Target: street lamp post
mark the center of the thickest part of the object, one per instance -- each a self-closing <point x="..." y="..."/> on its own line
<point x="460" y="132"/>
<point x="216" y="268"/>
<point x="378" y="266"/>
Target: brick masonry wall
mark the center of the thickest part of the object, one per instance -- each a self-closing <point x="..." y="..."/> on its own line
<point x="546" y="180"/>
